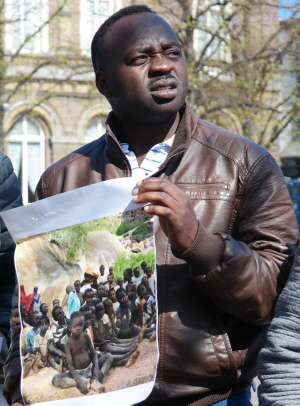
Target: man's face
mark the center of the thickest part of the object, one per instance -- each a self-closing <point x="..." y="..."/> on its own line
<point x="146" y="72"/>
<point x="55" y="303"/>
<point x="35" y="290"/>
<point x="102" y="270"/>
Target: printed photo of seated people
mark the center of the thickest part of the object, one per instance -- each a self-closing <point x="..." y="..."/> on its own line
<point x="93" y="335"/>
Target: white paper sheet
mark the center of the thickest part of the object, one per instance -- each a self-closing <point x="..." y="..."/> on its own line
<point x="67" y="209"/>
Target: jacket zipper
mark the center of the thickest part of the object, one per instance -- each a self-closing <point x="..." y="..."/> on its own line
<point x="203" y="186"/>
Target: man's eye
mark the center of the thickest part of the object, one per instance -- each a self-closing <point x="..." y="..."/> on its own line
<point x="173" y="53"/>
<point x="139" y="59"/>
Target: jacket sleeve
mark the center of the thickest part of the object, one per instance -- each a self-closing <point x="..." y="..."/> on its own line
<point x="243" y="272"/>
<point x="10" y="197"/>
<point x="279" y="360"/>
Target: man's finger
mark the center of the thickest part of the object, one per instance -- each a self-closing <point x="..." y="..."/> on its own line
<point x="159" y="185"/>
<point x="158" y="198"/>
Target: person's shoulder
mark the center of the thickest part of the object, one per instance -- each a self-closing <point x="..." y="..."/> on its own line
<point x="9" y="187"/>
<point x="236" y="147"/>
<point x="228" y="143"/>
<point x="81" y="153"/>
<point x="74" y="163"/>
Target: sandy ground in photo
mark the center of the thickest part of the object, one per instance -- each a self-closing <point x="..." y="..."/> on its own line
<point x="38" y="388"/>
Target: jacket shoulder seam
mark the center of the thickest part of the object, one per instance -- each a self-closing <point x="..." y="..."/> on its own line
<point x="73" y="156"/>
<point x="236" y="160"/>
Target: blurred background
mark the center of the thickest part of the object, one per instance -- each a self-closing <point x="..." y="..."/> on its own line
<point x="243" y="61"/>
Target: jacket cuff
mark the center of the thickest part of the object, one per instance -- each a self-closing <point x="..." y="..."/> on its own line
<point x="205" y="252"/>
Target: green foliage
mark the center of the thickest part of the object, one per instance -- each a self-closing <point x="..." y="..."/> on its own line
<point x="133" y="227"/>
<point x="72" y="239"/>
<point x="124" y="261"/>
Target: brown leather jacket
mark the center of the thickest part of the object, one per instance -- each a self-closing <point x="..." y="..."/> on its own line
<point x="215" y="299"/>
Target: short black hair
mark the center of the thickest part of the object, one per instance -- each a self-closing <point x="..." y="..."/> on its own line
<point x="75" y="315"/>
<point x="85" y="308"/>
<point x="139" y="288"/>
<point x="88" y="290"/>
<point x="98" y="40"/>
<point x="55" y="310"/>
<point x="43" y="304"/>
<point x="45" y="318"/>
<point x="119" y="291"/>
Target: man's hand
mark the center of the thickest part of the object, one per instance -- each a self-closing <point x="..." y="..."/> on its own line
<point x="82" y="386"/>
<point x="174" y="209"/>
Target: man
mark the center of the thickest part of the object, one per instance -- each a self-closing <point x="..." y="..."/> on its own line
<point x="10" y="197"/>
<point x="279" y="360"/>
<point x="224" y="216"/>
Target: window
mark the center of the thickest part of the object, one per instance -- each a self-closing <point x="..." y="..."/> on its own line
<point x="95" y="129"/>
<point x="210" y="24"/>
<point x="26" y="149"/>
<point x="25" y="19"/>
<point x="93" y="14"/>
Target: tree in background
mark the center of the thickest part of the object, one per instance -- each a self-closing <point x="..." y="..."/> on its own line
<point x="234" y="53"/>
<point x="39" y="52"/>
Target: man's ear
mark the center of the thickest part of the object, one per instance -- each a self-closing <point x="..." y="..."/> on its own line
<point x="102" y="83"/>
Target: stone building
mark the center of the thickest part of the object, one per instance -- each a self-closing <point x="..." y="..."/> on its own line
<point x="57" y="109"/>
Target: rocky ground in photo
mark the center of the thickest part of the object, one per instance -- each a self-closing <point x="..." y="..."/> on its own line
<point x="38" y="388"/>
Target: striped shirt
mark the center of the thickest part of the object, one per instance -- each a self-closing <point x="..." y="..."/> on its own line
<point x="152" y="161"/>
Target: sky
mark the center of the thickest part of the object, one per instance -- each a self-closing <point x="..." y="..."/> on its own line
<point x="284" y="13"/>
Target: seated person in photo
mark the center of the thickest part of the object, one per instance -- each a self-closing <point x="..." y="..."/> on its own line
<point x="34" y="322"/>
<point x="31" y="361"/>
<point x="85" y="369"/>
<point x="124" y="324"/>
<point x="112" y="332"/>
<point x="146" y="305"/>
<point x="77" y="286"/>
<point x="55" y="303"/>
<point x="144" y="265"/>
<point x="119" y="284"/>
<point x="131" y="293"/>
<point x="112" y="296"/>
<point x="127" y="277"/>
<point x="151" y="279"/>
<point x="60" y="328"/>
<point x="102" y="324"/>
<point x="24" y="315"/>
<point x="102" y="291"/>
<point x="145" y="282"/>
<point x="88" y="297"/>
<point x="88" y="312"/>
<point x="41" y="341"/>
<point x="44" y="309"/>
<point x="137" y="277"/>
<point x="73" y="300"/>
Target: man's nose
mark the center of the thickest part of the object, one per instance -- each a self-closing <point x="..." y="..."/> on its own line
<point x="160" y="64"/>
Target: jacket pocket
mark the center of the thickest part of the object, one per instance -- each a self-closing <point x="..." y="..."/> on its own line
<point x="207" y="191"/>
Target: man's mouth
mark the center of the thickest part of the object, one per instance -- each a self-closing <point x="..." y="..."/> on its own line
<point x="164" y="89"/>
